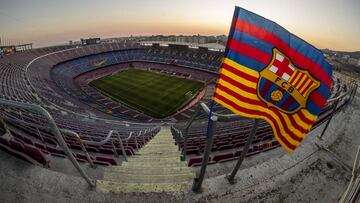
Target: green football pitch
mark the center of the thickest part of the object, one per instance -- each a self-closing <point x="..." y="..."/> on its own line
<point x="157" y="95"/>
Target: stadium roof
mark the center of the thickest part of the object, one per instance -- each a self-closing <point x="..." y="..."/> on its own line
<point x="210" y="46"/>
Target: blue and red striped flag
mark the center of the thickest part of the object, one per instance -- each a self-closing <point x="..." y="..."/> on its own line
<point x="271" y="74"/>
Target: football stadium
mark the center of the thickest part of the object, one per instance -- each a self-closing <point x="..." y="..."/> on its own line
<point x="157" y="121"/>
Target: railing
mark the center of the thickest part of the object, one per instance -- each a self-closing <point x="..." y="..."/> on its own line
<point x="346" y="98"/>
<point x="58" y="133"/>
<point x="81" y="141"/>
<point x="55" y="130"/>
<point x="352" y="192"/>
<point x="98" y="143"/>
<point x="95" y="143"/>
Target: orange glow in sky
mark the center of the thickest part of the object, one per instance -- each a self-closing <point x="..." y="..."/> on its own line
<point x="330" y="24"/>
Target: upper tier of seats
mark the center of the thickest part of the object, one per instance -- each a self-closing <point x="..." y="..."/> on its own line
<point x="28" y="137"/>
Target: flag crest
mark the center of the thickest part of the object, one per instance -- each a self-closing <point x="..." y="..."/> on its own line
<point x="271" y="74"/>
<point x="284" y="86"/>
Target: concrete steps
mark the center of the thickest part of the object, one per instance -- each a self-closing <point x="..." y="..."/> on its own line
<point x="155" y="168"/>
<point x="141" y="187"/>
<point x="145" y="164"/>
<point x="152" y="170"/>
<point x="136" y="178"/>
<point x="164" y="154"/>
<point x="153" y="159"/>
<point x="158" y="149"/>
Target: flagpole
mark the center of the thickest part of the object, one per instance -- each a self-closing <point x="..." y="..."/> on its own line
<point x="209" y="142"/>
<point x="211" y="122"/>
<point x="209" y="118"/>
<point x="243" y="153"/>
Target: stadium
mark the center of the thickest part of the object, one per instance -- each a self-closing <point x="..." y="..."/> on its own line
<point x="126" y="122"/>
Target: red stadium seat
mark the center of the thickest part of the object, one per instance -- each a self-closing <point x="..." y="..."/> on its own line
<point x="106" y="159"/>
<point x="223" y="157"/>
<point x="36" y="154"/>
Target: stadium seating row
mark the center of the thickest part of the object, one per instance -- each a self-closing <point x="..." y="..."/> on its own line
<point x="51" y="77"/>
<point x="230" y="156"/>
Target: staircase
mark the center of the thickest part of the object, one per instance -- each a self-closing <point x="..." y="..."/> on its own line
<point x="156" y="168"/>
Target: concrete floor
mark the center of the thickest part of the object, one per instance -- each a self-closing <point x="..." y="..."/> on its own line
<point x="318" y="171"/>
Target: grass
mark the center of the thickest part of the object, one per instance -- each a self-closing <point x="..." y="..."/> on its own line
<point x="157" y="95"/>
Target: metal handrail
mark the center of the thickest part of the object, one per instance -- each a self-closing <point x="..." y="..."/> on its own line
<point x="120" y="142"/>
<point x="335" y="104"/>
<point x="219" y="115"/>
<point x="98" y="143"/>
<point x="201" y="107"/>
<point x="133" y="134"/>
<point x="353" y="188"/>
<point x="339" y="97"/>
<point x="127" y="139"/>
<point x="81" y="144"/>
<point x="138" y="135"/>
<point x="76" y="135"/>
<point x="56" y="131"/>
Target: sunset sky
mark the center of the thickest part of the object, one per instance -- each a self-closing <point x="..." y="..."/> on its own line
<point x="333" y="24"/>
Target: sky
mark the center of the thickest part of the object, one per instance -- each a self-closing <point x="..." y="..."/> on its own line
<point x="333" y="24"/>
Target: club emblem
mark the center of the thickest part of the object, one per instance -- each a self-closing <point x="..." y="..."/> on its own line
<point x="284" y="86"/>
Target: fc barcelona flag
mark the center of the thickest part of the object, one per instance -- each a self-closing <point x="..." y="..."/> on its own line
<point x="271" y="74"/>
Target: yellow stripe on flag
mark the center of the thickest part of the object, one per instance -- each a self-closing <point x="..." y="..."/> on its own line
<point x="297" y="78"/>
<point x="241" y="67"/>
<point x="238" y="90"/>
<point x="262" y="109"/>
<point x="301" y="122"/>
<point x="301" y="81"/>
<point x="293" y="75"/>
<point x="238" y="78"/>
<point x="305" y="85"/>
<point x="311" y="86"/>
<point x="308" y="115"/>
<point x="255" y="116"/>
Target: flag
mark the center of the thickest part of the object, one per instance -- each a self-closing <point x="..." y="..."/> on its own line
<point x="271" y="74"/>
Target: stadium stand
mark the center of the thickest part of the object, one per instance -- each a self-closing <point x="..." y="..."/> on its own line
<point x="56" y="78"/>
